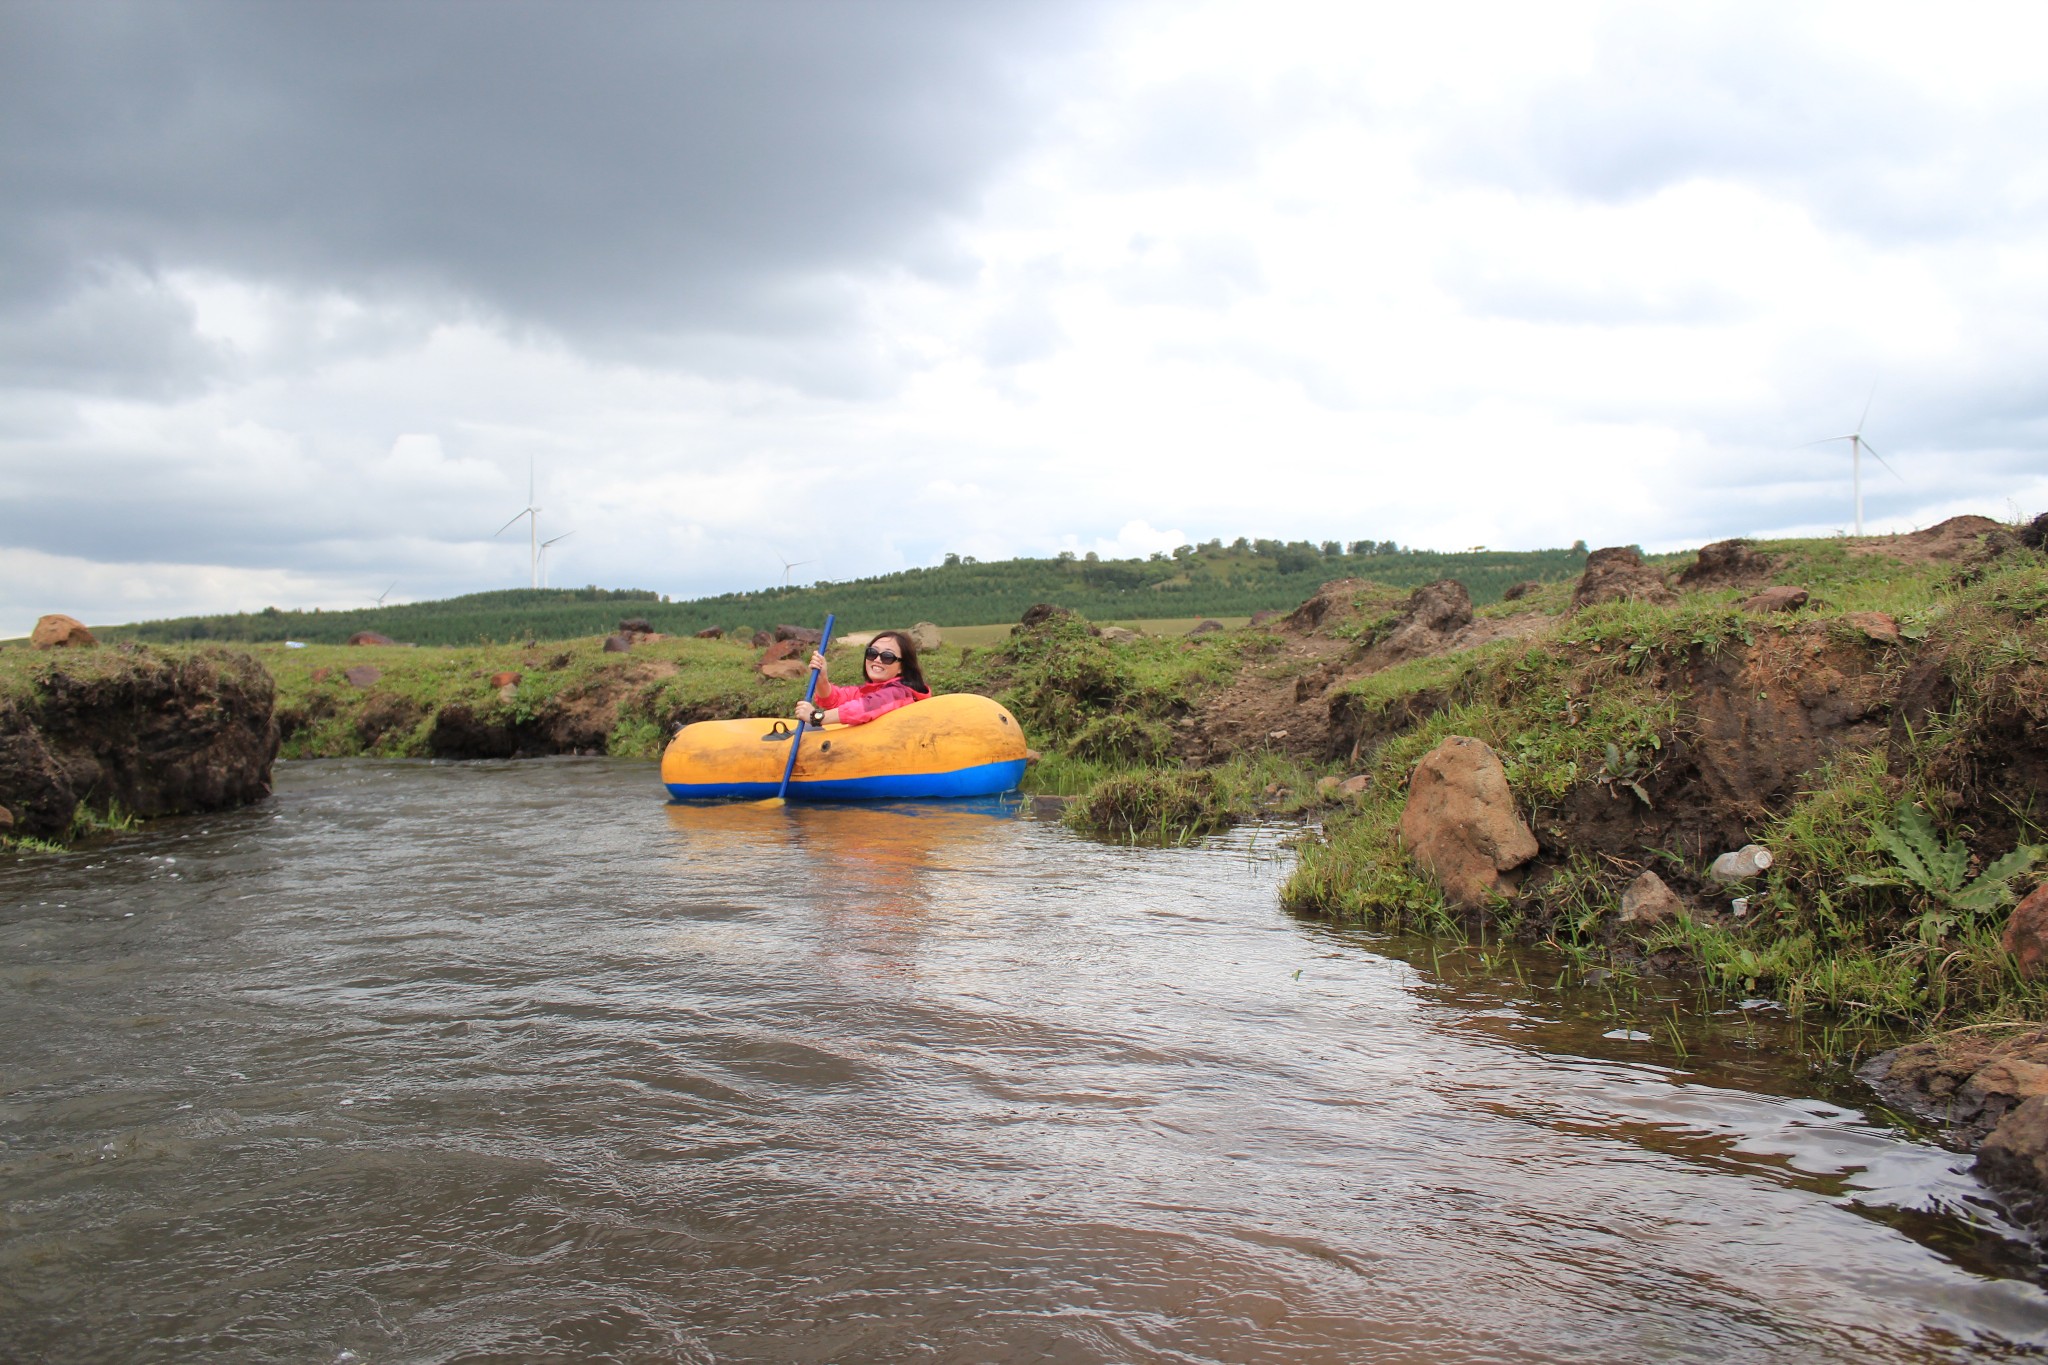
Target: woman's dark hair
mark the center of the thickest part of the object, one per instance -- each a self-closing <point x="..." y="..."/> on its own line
<point x="912" y="673"/>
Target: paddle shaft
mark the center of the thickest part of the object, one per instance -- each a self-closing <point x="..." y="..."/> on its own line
<point x="797" y="739"/>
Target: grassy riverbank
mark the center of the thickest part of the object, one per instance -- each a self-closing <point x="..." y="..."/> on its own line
<point x="1891" y="763"/>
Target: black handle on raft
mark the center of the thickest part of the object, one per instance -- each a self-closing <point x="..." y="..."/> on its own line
<point x="797" y="739"/>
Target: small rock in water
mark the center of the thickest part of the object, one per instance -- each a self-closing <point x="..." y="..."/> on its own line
<point x="1627" y="1035"/>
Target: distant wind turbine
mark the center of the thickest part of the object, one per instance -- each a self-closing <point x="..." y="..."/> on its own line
<point x="386" y="593"/>
<point x="1857" y="445"/>
<point x="532" y="515"/>
<point x="790" y="564"/>
<point x="544" y="554"/>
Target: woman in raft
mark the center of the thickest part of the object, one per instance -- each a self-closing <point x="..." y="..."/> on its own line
<point x="891" y="675"/>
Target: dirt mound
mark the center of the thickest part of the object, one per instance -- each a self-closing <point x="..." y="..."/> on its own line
<point x="1433" y="614"/>
<point x="1618" y="574"/>
<point x="1945" y="542"/>
<point x="1334" y="602"/>
<point x="1726" y="564"/>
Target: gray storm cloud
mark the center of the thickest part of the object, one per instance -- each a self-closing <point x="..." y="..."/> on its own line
<point x="619" y="174"/>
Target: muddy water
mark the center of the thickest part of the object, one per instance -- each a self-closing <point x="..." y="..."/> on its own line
<point x="514" y="1062"/>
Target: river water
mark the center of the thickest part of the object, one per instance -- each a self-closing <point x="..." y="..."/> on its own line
<point x="507" y="1062"/>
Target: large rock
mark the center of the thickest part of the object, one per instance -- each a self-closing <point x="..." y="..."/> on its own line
<point x="711" y="633"/>
<point x="2015" y="1156"/>
<point x="780" y="650"/>
<point x="785" y="669"/>
<point x="618" y="644"/>
<point x="925" y="636"/>
<point x="1460" y="823"/>
<point x="1206" y="627"/>
<point x="155" y="735"/>
<point x="57" y="631"/>
<point x="803" y="635"/>
<point x="370" y="637"/>
<point x="1877" y="626"/>
<point x="1618" y="574"/>
<point x="1648" y="901"/>
<point x="635" y="625"/>
<point x="2026" y="933"/>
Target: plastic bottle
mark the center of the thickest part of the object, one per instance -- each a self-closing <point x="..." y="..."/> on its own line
<point x="1741" y="865"/>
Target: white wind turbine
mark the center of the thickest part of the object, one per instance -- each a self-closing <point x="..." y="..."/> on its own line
<point x="532" y="515"/>
<point x="544" y="554"/>
<point x="1857" y="445"/>
<point x="386" y="593"/>
<point x="788" y="565"/>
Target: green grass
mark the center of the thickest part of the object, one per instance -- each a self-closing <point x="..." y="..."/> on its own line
<point x="1841" y="924"/>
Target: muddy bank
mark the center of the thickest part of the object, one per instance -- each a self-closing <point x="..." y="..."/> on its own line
<point x="92" y="736"/>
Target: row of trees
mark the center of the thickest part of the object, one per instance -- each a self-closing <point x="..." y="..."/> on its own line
<point x="1211" y="579"/>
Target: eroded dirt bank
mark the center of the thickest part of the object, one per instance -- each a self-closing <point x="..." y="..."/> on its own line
<point x="93" y="735"/>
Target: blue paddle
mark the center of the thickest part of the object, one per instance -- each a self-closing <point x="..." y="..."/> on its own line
<point x="796" y="739"/>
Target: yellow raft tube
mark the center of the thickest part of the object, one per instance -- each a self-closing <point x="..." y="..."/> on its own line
<point x="955" y="745"/>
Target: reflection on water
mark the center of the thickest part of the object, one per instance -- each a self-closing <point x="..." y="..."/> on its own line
<point x="513" y="1062"/>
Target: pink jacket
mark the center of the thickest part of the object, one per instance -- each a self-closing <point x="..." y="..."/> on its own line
<point x="859" y="705"/>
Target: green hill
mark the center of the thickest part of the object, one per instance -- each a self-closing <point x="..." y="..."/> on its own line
<point x="1207" y="580"/>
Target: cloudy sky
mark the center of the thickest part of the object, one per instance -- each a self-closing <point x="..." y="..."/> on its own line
<point x="292" y="296"/>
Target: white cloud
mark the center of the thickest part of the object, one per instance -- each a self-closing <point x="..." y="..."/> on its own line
<point x="1451" y="275"/>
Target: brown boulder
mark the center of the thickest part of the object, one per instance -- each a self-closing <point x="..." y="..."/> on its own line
<point x="319" y="675"/>
<point x="504" y="680"/>
<point x="57" y="631"/>
<point x="1726" y="564"/>
<point x="2015" y="1156"/>
<point x="1206" y="628"/>
<point x="783" y="669"/>
<point x="762" y="638"/>
<point x="363" y="675"/>
<point x="1460" y="823"/>
<point x="2026" y="933"/>
<point x="801" y="634"/>
<point x="1876" y="626"/>
<point x="1515" y="592"/>
<point x="1780" y="598"/>
<point x="780" y="650"/>
<point x="618" y="644"/>
<point x="1618" y="574"/>
<point x="635" y="625"/>
<point x="711" y="633"/>
<point x="1648" y="901"/>
<point x="370" y="637"/>
<point x="925" y="635"/>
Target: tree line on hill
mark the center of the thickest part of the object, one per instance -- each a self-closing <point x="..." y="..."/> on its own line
<point x="1209" y="579"/>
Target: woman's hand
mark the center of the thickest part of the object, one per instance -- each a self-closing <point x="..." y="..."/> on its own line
<point x="818" y="662"/>
<point x="806" y="709"/>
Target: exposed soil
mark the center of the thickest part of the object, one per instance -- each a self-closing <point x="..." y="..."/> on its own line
<point x="149" y="735"/>
<point x="1943" y="543"/>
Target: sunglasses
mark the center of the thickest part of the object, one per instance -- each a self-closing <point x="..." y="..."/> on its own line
<point x="887" y="656"/>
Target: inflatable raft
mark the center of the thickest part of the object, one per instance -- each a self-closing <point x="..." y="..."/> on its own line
<point x="955" y="745"/>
